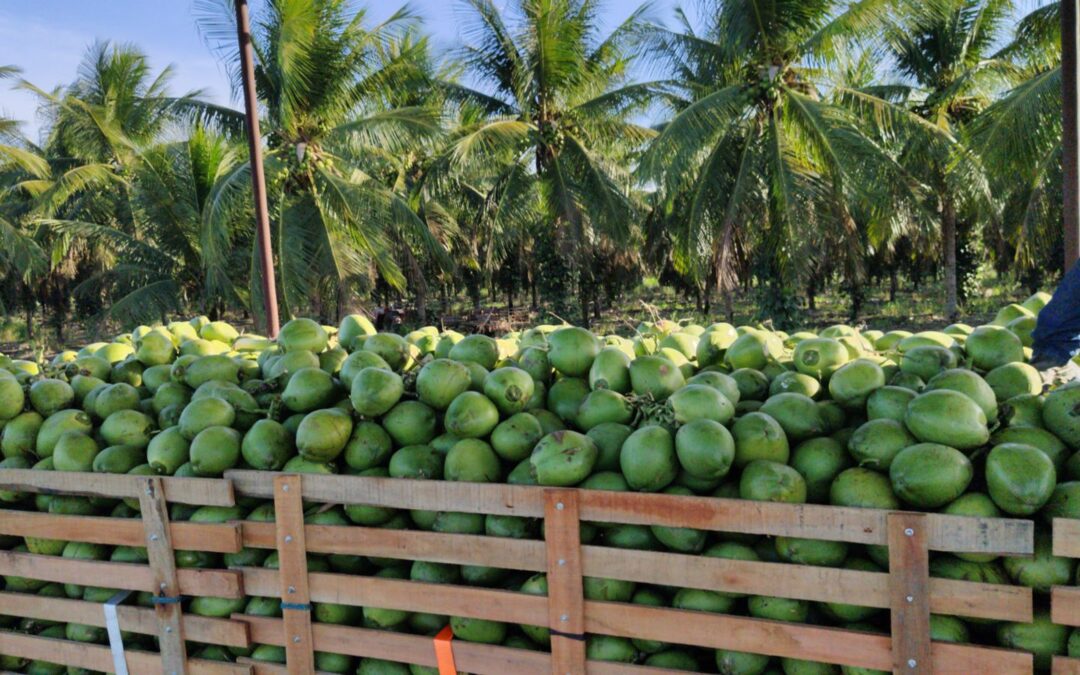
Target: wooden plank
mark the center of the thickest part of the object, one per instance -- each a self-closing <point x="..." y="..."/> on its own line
<point x="1063" y="665"/>
<point x="859" y="526"/>
<point x="909" y="593"/>
<point x="99" y="658"/>
<point x="1067" y="537"/>
<point x="412" y="596"/>
<point x="132" y="619"/>
<point x="455" y="549"/>
<point x="212" y="537"/>
<point x="197" y="491"/>
<point x="802" y="582"/>
<point x="402" y="647"/>
<point x="293" y="576"/>
<point x="129" y="576"/>
<point x="779" y="638"/>
<point x="1065" y="605"/>
<point x="159" y="550"/>
<point x="566" y="611"/>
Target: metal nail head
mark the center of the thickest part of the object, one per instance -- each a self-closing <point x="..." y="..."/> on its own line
<point x="153" y="537"/>
<point x="909" y="532"/>
<point x="564" y="618"/>
<point x="911" y="598"/>
<point x="288" y="539"/>
<point x="562" y="561"/>
<point x="162" y="585"/>
<point x="559" y="506"/>
<point x="284" y="488"/>
<point x="292" y="589"/>
<point x="911" y="663"/>
<point x="296" y="639"/>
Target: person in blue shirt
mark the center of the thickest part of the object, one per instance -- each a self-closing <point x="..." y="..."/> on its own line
<point x="1056" y="338"/>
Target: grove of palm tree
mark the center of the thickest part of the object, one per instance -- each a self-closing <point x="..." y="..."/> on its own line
<point x="763" y="158"/>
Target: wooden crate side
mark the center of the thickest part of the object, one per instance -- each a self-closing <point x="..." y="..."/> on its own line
<point x="99" y="658"/>
<point x="195" y="491"/>
<point x="211" y="537"/>
<point x="1063" y="665"/>
<point x="860" y="526"/>
<point x="129" y="576"/>
<point x="801" y="582"/>
<point x="132" y="619"/>
<point x="909" y="593"/>
<point x="293" y="575"/>
<point x="1067" y="537"/>
<point x="1065" y="605"/>
<point x="402" y="647"/>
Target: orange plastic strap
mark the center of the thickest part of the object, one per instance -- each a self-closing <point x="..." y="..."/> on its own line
<point x="444" y="652"/>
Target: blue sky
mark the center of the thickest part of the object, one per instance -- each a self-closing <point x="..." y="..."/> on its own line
<point x="47" y="38"/>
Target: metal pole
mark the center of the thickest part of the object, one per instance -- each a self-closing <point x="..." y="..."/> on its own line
<point x="258" y="177"/>
<point x="1070" y="131"/>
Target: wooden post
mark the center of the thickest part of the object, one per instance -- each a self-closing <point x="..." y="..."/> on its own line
<point x="258" y="177"/>
<point x="566" y="604"/>
<point x="292" y="558"/>
<point x="909" y="593"/>
<point x="155" y="518"/>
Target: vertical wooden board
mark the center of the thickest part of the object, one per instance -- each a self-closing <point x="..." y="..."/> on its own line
<point x="155" y="518"/>
<point x="566" y="604"/>
<point x="909" y="592"/>
<point x="292" y="554"/>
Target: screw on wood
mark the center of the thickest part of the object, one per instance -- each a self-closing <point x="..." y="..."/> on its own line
<point x="292" y="589"/>
<point x="288" y="539"/>
<point x="296" y="639"/>
<point x="284" y="488"/>
<point x="560" y="506"/>
<point x="564" y="618"/>
<point x="909" y="532"/>
<point x="910" y="598"/>
<point x="562" y="562"/>
<point x="168" y="629"/>
<point x="163" y="585"/>
<point x="153" y="537"/>
<point x="911" y="663"/>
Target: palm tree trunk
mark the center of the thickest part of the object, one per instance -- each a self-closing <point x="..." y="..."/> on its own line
<point x="29" y="312"/>
<point x="583" y="289"/>
<point x="894" y="283"/>
<point x="948" y="235"/>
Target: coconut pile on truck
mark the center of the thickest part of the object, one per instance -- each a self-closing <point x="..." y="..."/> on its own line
<point x="955" y="421"/>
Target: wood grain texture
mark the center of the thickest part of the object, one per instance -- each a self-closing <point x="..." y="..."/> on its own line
<point x="99" y="658"/>
<point x="1065" y="605"/>
<point x="132" y="619"/>
<point x="909" y="593"/>
<point x="293" y="575"/>
<point x="1063" y="665"/>
<point x="1067" y="537"/>
<point x="197" y="491"/>
<point x="155" y="521"/>
<point x="566" y="596"/>
<point x="129" y="576"/>
<point x="961" y="534"/>
<point x="212" y="537"/>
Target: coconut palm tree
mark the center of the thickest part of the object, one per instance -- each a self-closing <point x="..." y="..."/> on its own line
<point x="943" y="52"/>
<point x="338" y="140"/>
<point x="560" y="105"/>
<point x="763" y="153"/>
<point x="1019" y="136"/>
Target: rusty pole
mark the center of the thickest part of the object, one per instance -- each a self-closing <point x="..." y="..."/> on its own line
<point x="258" y="176"/>
<point x="1070" y="132"/>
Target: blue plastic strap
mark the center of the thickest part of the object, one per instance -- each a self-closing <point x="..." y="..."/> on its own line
<point x="166" y="600"/>
<point x="299" y="606"/>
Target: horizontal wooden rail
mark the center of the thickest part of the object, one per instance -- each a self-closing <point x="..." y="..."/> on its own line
<point x="99" y="658"/>
<point x="469" y="657"/>
<point x="1067" y="537"/>
<point x="132" y="619"/>
<point x="130" y="576"/>
<point x="196" y="491"/>
<point x="852" y="648"/>
<point x="215" y="538"/>
<point x="956" y="534"/>
<point x="1063" y="665"/>
<point x="801" y="582"/>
